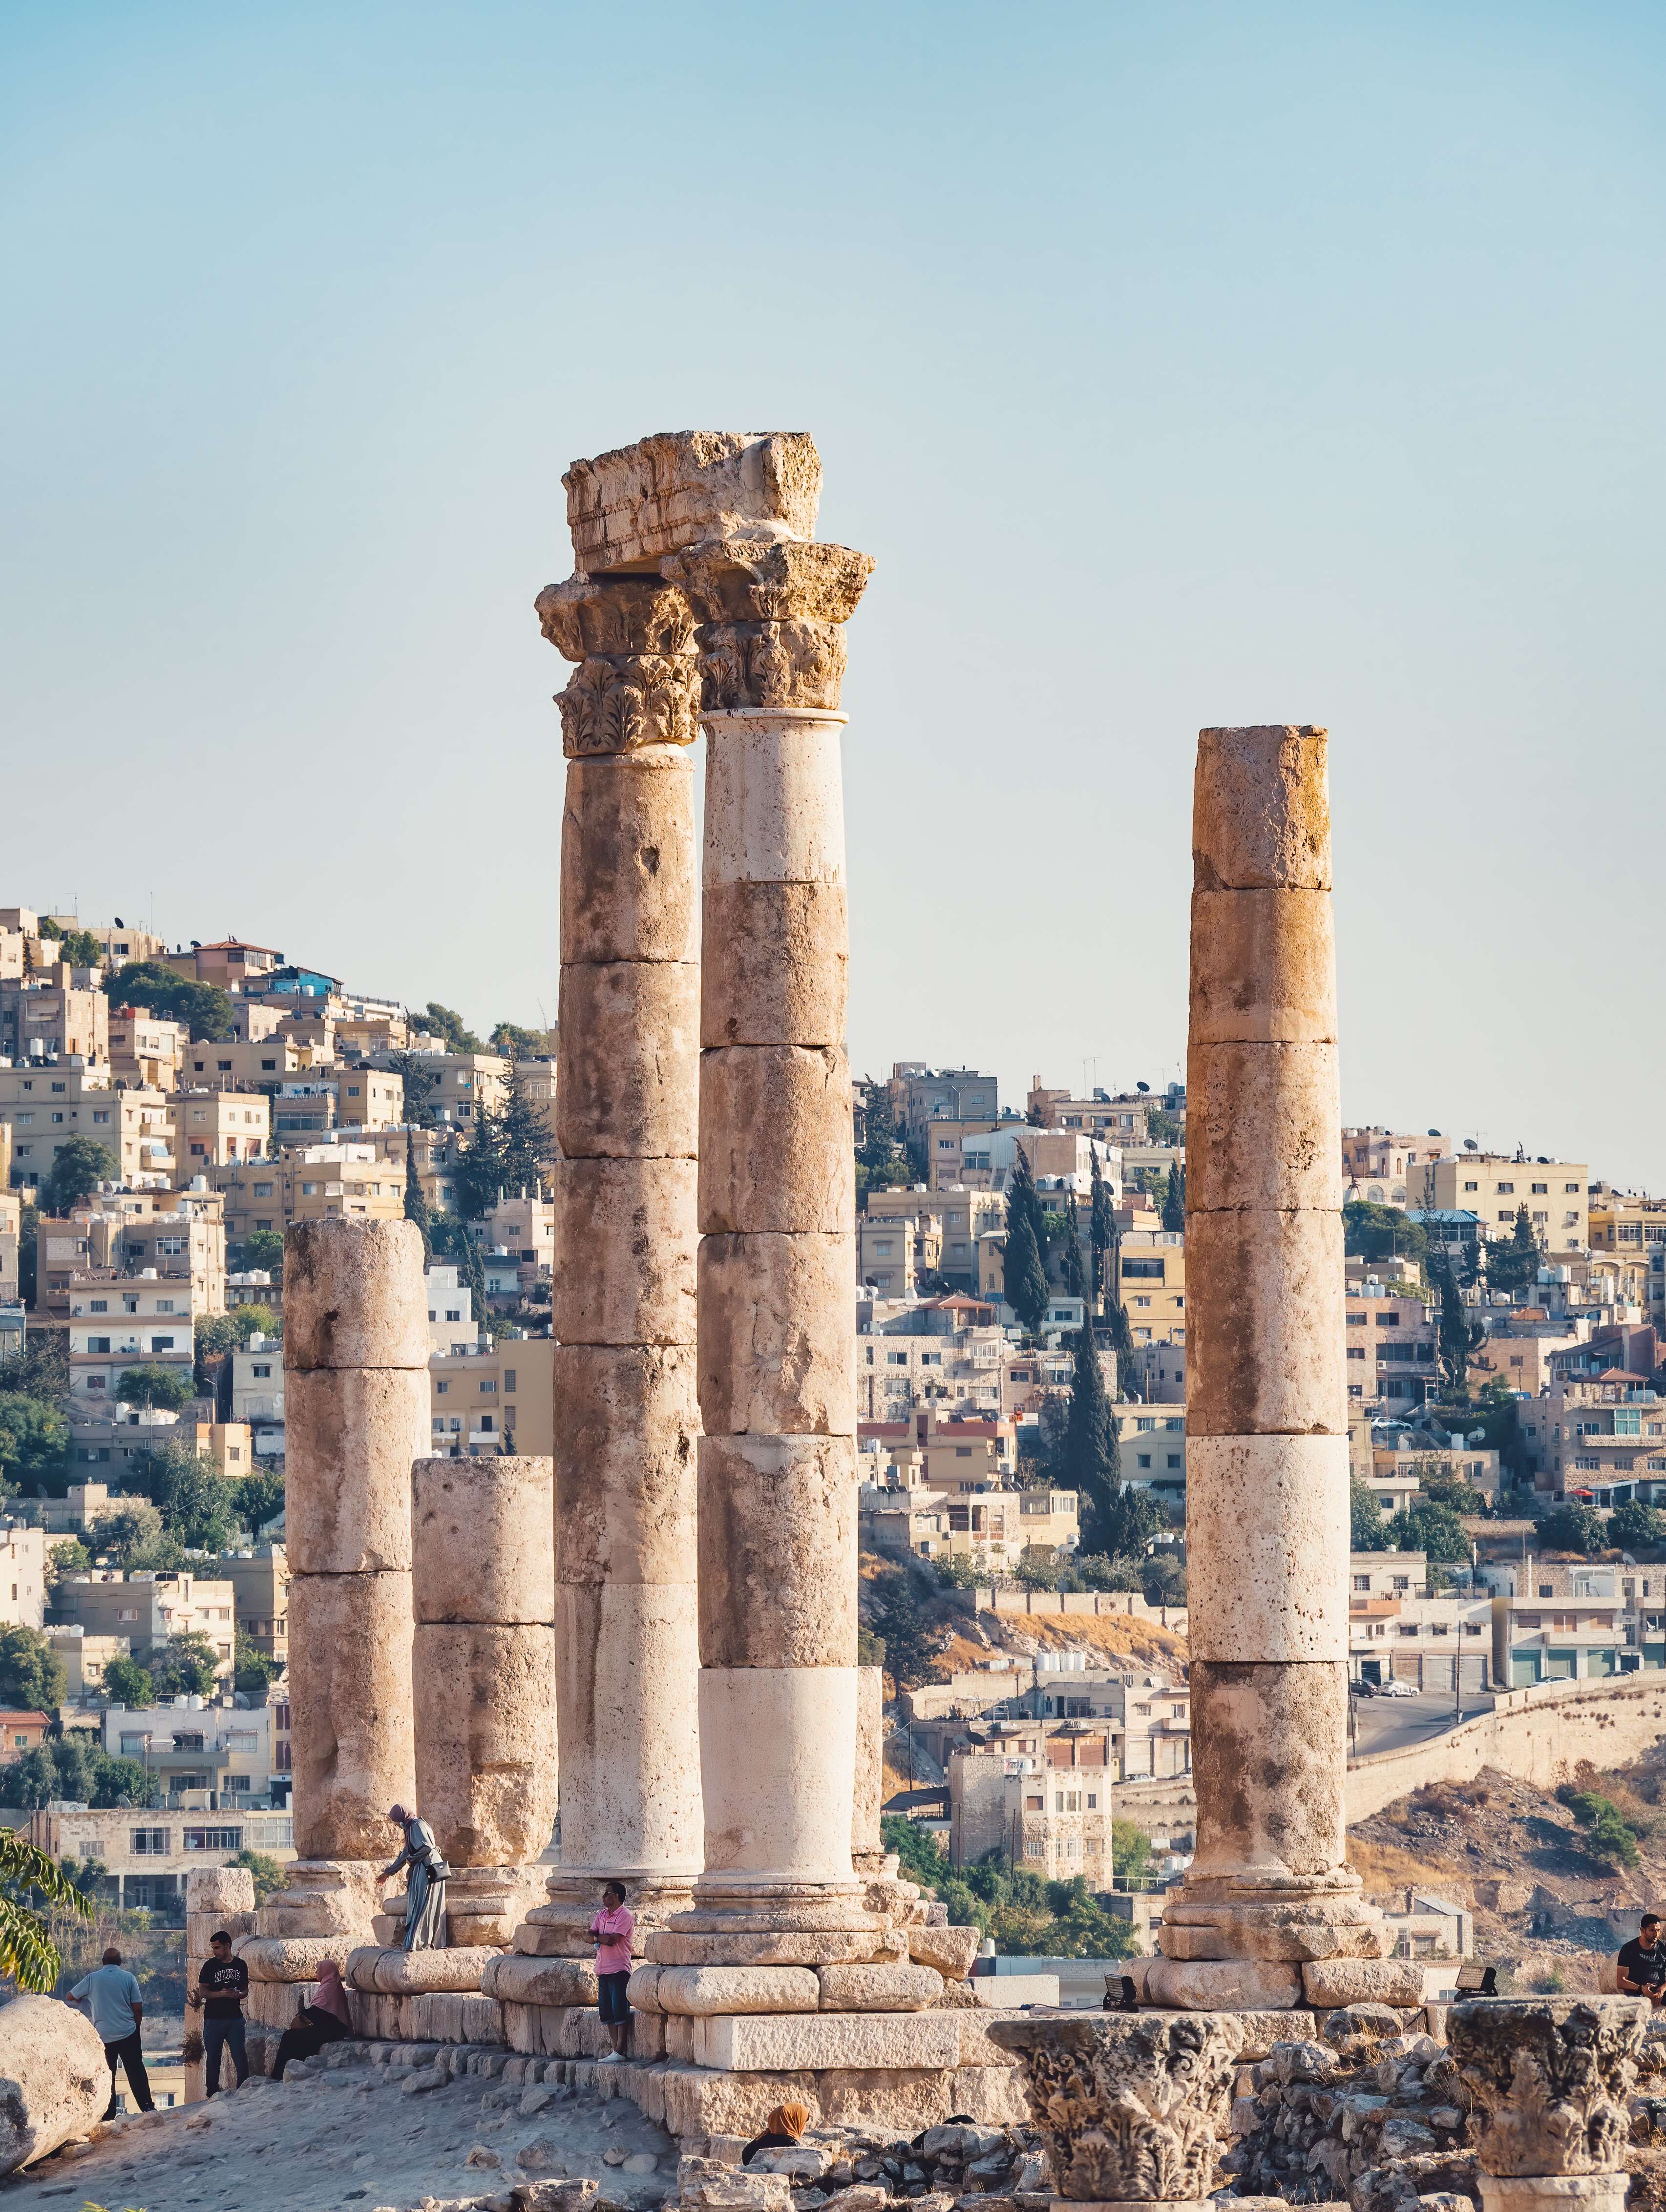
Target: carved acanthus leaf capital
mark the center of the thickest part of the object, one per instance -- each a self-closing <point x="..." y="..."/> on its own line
<point x="1549" y="2079"/>
<point x="619" y="702"/>
<point x="624" y="615"/>
<point x="788" y="664"/>
<point x="1133" y="2106"/>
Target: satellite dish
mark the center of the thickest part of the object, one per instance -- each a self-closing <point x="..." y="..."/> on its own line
<point x="120" y="924"/>
<point x="1470" y="1145"/>
<point x="1434" y="1133"/>
<point x="1142" y="1086"/>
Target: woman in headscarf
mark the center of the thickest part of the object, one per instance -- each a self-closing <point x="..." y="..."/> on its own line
<point x="782" y="2131"/>
<point x="326" y="2019"/>
<point x="425" y="1885"/>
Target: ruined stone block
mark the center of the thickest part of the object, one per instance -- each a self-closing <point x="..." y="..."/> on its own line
<point x="1269" y="1525"/>
<point x="775" y="1347"/>
<point x="641" y="1207"/>
<point x="1263" y="968"/>
<point x="628" y="508"/>
<point x="484" y="1532"/>
<point x="485" y="1753"/>
<point x="777" y="969"/>
<point x="630" y="1059"/>
<point x="1260" y="817"/>
<point x="629" y="865"/>
<point x="777" y="1536"/>
<point x="1263" y="1128"/>
<point x="1265" y="1351"/>
<point x="354" y="1294"/>
<point x="351" y="1436"/>
<point x="804" y="1177"/>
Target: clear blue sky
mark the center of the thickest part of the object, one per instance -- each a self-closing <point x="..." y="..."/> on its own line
<point x="1179" y="363"/>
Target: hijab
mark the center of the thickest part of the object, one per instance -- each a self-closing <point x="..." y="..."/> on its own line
<point x="788" y="2120"/>
<point x="330" y="1996"/>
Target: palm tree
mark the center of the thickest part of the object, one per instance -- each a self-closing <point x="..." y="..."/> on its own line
<point x="27" y="1953"/>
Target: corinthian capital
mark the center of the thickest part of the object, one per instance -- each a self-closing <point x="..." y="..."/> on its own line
<point x="638" y="678"/>
<point x="771" y="615"/>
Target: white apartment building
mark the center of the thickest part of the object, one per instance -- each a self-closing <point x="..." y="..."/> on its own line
<point x="452" y="1327"/>
<point x="119" y="1321"/>
<point x="22" y="1577"/>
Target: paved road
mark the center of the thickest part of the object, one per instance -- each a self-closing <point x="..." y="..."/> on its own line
<point x="1390" y="1723"/>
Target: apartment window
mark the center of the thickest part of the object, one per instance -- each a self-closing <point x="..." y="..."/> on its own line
<point x="439" y="1421"/>
<point x="1362" y="1581"/>
<point x="1145" y="1459"/>
<point x="1570" y="1189"/>
<point x="214" y="1839"/>
<point x="261" y="1373"/>
<point x="1472" y="1186"/>
<point x="488" y="1389"/>
<point x="161" y="1344"/>
<point x="98" y="1344"/>
<point x="441" y="1388"/>
<point x="100" y="1113"/>
<point x="508" y="1378"/>
<point x="1540" y="1189"/>
<point x="1174" y="1459"/>
<point x="1506" y="1190"/>
<point x="148" y="1843"/>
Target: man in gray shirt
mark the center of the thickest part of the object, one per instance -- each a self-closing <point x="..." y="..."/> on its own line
<point x="111" y="1995"/>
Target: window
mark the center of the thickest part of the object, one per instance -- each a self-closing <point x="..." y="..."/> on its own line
<point x="488" y="1389"/>
<point x="442" y="1389"/>
<point x="214" y="1839"/>
<point x="1540" y="1189"/>
<point x="261" y="1373"/>
<point x="1145" y="1459"/>
<point x="149" y="1842"/>
<point x="1570" y="1189"/>
<point x="1472" y="1186"/>
<point x="98" y="1344"/>
<point x="508" y="1378"/>
<point x="1506" y="1190"/>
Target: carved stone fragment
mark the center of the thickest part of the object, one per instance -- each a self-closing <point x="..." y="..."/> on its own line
<point x="1549" y="2079"/>
<point x="1134" y="2107"/>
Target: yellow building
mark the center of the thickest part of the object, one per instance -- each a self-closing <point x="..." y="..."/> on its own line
<point x="1493" y="1186"/>
<point x="229" y="1444"/>
<point x="1632" y="1231"/>
<point x="47" y="1105"/>
<point x="260" y="1582"/>
<point x="212" y="1129"/>
<point x="1152" y="1279"/>
<point x="495" y="1401"/>
<point x="57" y="1013"/>
<point x="145" y="1051"/>
<point x="311" y="1184"/>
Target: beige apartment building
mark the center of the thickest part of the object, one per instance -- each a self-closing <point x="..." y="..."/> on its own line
<point x="1492" y="1185"/>
<point x="1151" y="1276"/>
<point x="460" y="1084"/>
<point x="353" y="1097"/>
<point x="251" y="1063"/>
<point x="929" y="1452"/>
<point x="11" y="1230"/>
<point x="897" y="1253"/>
<point x="148" y="1608"/>
<point x="229" y="962"/>
<point x="500" y="1400"/>
<point x="260" y="1601"/>
<point x="58" y="1013"/>
<point x="994" y="1528"/>
<point x="122" y="943"/>
<point x="1379" y="1165"/>
<point x="1391" y="1347"/>
<point x="213" y="1128"/>
<point x="146" y="1053"/>
<point x="1117" y="1121"/>
<point x="1041" y="1795"/>
<point x="962" y="1215"/>
<point x="85" y="1658"/>
<point x="1152" y="1450"/>
<point x="45" y="1106"/>
<point x="22" y="1577"/>
<point x="147" y="1855"/>
<point x="1632" y="1231"/>
<point x="312" y="1183"/>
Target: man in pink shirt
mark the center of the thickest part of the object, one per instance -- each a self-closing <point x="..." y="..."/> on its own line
<point x="613" y="1928"/>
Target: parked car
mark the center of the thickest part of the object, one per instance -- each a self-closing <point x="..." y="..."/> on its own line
<point x="1361" y="1688"/>
<point x="1396" y="1690"/>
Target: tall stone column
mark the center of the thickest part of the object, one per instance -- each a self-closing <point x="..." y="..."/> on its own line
<point x="1267" y="1512"/>
<point x="627" y="1120"/>
<point x="356" y="1415"/>
<point x="483" y="1670"/>
<point x="778" y="1684"/>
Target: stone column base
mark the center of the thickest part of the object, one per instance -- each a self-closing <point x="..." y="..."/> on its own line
<point x="486" y="1905"/>
<point x="1553" y="2192"/>
<point x="1288" y="1925"/>
<point x="323" y="1897"/>
<point x="454" y="1971"/>
<point x="560" y="1928"/>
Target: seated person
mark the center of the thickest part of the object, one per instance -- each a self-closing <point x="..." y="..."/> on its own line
<point x="1641" y="1966"/>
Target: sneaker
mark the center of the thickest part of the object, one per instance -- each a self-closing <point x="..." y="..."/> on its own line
<point x="612" y="2058"/>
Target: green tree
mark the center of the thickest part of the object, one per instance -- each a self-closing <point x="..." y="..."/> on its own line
<point x="482" y="1170"/>
<point x="252" y="1669"/>
<point x="35" y="1438"/>
<point x="27" y="1952"/>
<point x="269" y="1875"/>
<point x="1456" y="1336"/>
<point x="1515" y="1266"/>
<point x="472" y="1269"/>
<point x="70" y="1556"/>
<point x="882" y="1156"/>
<point x="1024" y="1276"/>
<point x="525" y="1148"/>
<point x="184" y="1665"/>
<point x="1131" y="1519"/>
<point x="1635" y="1527"/>
<point x="1378" y="1232"/>
<point x="1101" y="1221"/>
<point x="197" y="1504"/>
<point x="1174" y="1199"/>
<point x="1369" y="1531"/>
<point x="152" y="1384"/>
<point x="127" y="1683"/>
<point x="1571" y="1526"/>
<point x="911" y="1641"/>
<point x="1434" y="1530"/>
<point x="920" y="1855"/>
<point x="204" y="1009"/>
<point x="32" y="1676"/>
<point x="262" y="1250"/>
<point x="1610" y="1838"/>
<point x="1130" y="1851"/>
<point x="1162" y="1128"/>
<point x="513" y="1042"/>
<point x="260" y="1499"/>
<point x="416" y="1205"/>
<point x="132" y="1527"/>
<point x="445" y="1024"/>
<point x="1091" y="1464"/>
<point x="81" y="1165"/>
<point x="419" y="1075"/>
<point x="78" y="946"/>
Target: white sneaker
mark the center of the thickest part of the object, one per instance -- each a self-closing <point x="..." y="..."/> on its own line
<point x="612" y="2059"/>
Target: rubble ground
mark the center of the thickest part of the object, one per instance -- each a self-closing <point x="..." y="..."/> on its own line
<point x="1549" y="1909"/>
<point x="394" y="2127"/>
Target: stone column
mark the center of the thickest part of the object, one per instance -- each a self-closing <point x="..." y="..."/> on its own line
<point x="1267" y="1512"/>
<point x="627" y="1120"/>
<point x="1550" y="2081"/>
<point x="778" y="1683"/>
<point x="356" y="1414"/>
<point x="483" y="1672"/>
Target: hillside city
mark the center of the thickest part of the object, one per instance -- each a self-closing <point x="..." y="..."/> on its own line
<point x="166" y="1113"/>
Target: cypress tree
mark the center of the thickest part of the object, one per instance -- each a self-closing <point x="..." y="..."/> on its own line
<point x="472" y="1269"/>
<point x="416" y="1205"/>
<point x="1090" y="1450"/>
<point x="1074" y="1275"/>
<point x="480" y="1174"/>
<point x="1174" y="1199"/>
<point x="1024" y="1273"/>
<point x="526" y="1152"/>
<point x="1102" y="1226"/>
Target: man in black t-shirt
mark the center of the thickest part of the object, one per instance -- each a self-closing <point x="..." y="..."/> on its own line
<point x="221" y="1986"/>
<point x="1642" y="1963"/>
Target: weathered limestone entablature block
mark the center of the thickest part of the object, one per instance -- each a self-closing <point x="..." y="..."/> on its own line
<point x="628" y="508"/>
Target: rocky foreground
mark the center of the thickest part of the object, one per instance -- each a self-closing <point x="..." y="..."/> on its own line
<point x="397" y="2128"/>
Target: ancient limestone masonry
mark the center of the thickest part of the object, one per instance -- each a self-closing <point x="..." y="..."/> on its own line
<point x="1269" y="1894"/>
<point x="483" y="1672"/>
<point x="1549" y="2079"/>
<point x="356" y="1404"/>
